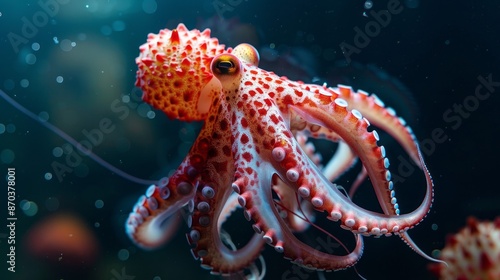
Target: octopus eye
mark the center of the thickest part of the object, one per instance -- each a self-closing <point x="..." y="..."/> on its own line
<point x="225" y="64"/>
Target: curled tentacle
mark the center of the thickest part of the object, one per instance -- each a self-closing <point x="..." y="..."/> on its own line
<point x="256" y="198"/>
<point x="155" y="215"/>
<point x="205" y="236"/>
<point x="371" y="107"/>
<point x="351" y="127"/>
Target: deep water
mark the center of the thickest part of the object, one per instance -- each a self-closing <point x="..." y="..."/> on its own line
<point x="72" y="63"/>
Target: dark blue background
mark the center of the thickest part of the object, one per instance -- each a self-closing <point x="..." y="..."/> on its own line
<point x="436" y="50"/>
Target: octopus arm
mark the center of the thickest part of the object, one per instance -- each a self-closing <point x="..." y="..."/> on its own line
<point x="256" y="198"/>
<point x="156" y="215"/>
<point x="213" y="204"/>
<point x="353" y="129"/>
<point x="297" y="212"/>
<point x="374" y="109"/>
<point x="205" y="234"/>
<point x="341" y="161"/>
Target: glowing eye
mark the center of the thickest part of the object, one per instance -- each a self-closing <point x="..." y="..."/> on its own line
<point x="225" y="64"/>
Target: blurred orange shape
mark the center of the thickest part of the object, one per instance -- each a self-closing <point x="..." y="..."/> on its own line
<point x="63" y="238"/>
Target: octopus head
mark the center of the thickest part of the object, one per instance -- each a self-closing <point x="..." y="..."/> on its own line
<point x="174" y="72"/>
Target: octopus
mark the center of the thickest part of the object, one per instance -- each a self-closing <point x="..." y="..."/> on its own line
<point x="252" y="152"/>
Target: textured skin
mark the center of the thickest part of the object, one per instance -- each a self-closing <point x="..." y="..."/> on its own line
<point x="253" y="142"/>
<point x="472" y="253"/>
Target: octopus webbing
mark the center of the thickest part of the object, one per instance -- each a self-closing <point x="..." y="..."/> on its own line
<point x="252" y="153"/>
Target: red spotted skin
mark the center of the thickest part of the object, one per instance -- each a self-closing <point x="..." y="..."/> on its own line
<point x="249" y="147"/>
<point x="472" y="253"/>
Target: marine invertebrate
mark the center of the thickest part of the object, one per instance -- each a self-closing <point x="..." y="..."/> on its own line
<point x="248" y="149"/>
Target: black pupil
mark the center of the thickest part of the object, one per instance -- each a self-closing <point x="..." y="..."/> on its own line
<point x="225" y="66"/>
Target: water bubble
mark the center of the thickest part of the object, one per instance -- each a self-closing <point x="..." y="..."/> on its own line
<point x="35" y="46"/>
<point x="118" y="25"/>
<point x="29" y="208"/>
<point x="97" y="224"/>
<point x="136" y="95"/>
<point x="30" y="59"/>
<point x="436" y="253"/>
<point x="59" y="79"/>
<point x="82" y="36"/>
<point x="94" y="7"/>
<point x="123" y="254"/>
<point x="11" y="128"/>
<point x="66" y="45"/>
<point x="24" y="83"/>
<point x="125" y="99"/>
<point x="7" y="156"/>
<point x="23" y="204"/>
<point x="151" y="115"/>
<point x="56" y="41"/>
<point x="32" y="210"/>
<point x="447" y="42"/>
<point x="106" y="30"/>
<point x="2" y="128"/>
<point x="57" y="152"/>
<point x="99" y="204"/>
<point x="52" y="204"/>
<point x="157" y="278"/>
<point x="48" y="176"/>
<point x="43" y="116"/>
<point x="143" y="110"/>
<point x="434" y="226"/>
<point x="67" y="148"/>
<point x="368" y="4"/>
<point x="149" y="6"/>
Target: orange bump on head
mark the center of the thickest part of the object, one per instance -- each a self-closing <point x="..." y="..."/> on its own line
<point x="174" y="72"/>
<point x="247" y="53"/>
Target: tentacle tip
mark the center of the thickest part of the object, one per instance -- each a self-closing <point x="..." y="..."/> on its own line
<point x="438" y="261"/>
